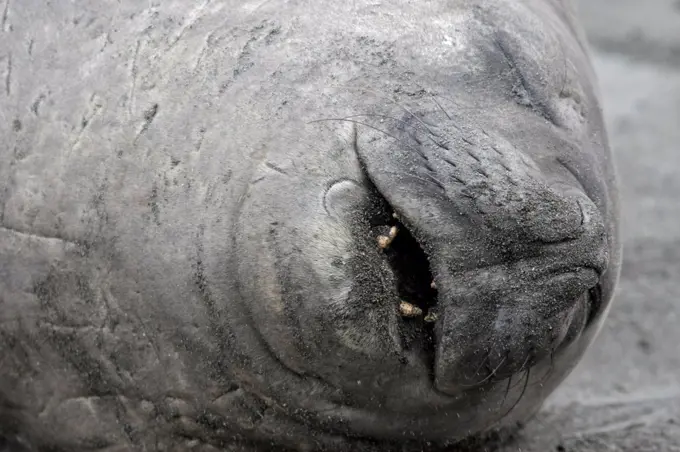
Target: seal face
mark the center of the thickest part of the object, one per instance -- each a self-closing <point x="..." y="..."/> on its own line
<point x="322" y="226"/>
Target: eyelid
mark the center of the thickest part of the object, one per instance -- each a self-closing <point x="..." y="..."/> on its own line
<point x="537" y="101"/>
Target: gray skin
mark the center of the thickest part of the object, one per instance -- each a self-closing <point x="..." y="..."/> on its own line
<point x="191" y="197"/>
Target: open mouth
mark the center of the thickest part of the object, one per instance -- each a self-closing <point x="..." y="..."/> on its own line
<point x="416" y="289"/>
<point x="534" y="317"/>
<point x="415" y="284"/>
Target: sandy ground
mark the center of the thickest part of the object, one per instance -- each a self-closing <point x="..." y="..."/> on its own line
<point x="625" y="394"/>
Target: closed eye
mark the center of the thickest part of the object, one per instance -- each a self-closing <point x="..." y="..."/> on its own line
<point x="524" y="92"/>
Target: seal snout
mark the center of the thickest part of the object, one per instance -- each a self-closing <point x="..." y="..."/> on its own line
<point x="491" y="250"/>
<point x="531" y="299"/>
<point x="481" y="324"/>
<point x="480" y="345"/>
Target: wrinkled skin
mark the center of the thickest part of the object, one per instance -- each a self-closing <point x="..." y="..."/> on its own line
<point x="192" y="194"/>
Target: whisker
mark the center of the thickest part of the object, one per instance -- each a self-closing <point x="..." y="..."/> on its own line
<point x="548" y="372"/>
<point x="413" y="176"/>
<point x="507" y="391"/>
<point x="469" y="108"/>
<point x="524" y="389"/>
<point x="383" y="96"/>
<point x="369" y="126"/>
<point x="442" y="109"/>
<point x="526" y="361"/>
<point x="405" y="124"/>
<point x="481" y="364"/>
<point x="376" y="115"/>
<point x="520" y="370"/>
<point x="493" y="372"/>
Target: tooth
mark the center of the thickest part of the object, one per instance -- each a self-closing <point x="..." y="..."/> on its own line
<point x="431" y="317"/>
<point x="407" y="309"/>
<point x="433" y="285"/>
<point x="385" y="240"/>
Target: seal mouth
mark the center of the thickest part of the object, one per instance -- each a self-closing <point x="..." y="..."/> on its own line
<point x="513" y="255"/>
<point x="415" y="285"/>
<point x="423" y="331"/>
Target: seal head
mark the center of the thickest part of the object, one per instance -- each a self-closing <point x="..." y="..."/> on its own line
<point x="448" y="280"/>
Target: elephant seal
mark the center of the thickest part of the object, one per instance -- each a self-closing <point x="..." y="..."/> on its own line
<point x="305" y="225"/>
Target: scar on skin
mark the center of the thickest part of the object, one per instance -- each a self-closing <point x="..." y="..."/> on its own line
<point x="385" y="240"/>
<point x="407" y="309"/>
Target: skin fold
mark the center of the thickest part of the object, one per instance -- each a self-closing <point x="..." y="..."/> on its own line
<point x="300" y="224"/>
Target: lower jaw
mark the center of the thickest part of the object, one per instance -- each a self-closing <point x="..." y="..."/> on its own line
<point x="486" y="414"/>
<point x="444" y="420"/>
<point x="416" y="416"/>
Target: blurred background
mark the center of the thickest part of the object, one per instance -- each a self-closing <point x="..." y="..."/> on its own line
<point x="636" y="51"/>
<point x="625" y="394"/>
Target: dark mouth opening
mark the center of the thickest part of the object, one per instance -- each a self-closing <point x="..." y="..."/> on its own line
<point x="414" y="281"/>
<point x="411" y="268"/>
<point x="415" y="285"/>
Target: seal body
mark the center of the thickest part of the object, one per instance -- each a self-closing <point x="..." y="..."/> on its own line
<point x="301" y="224"/>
